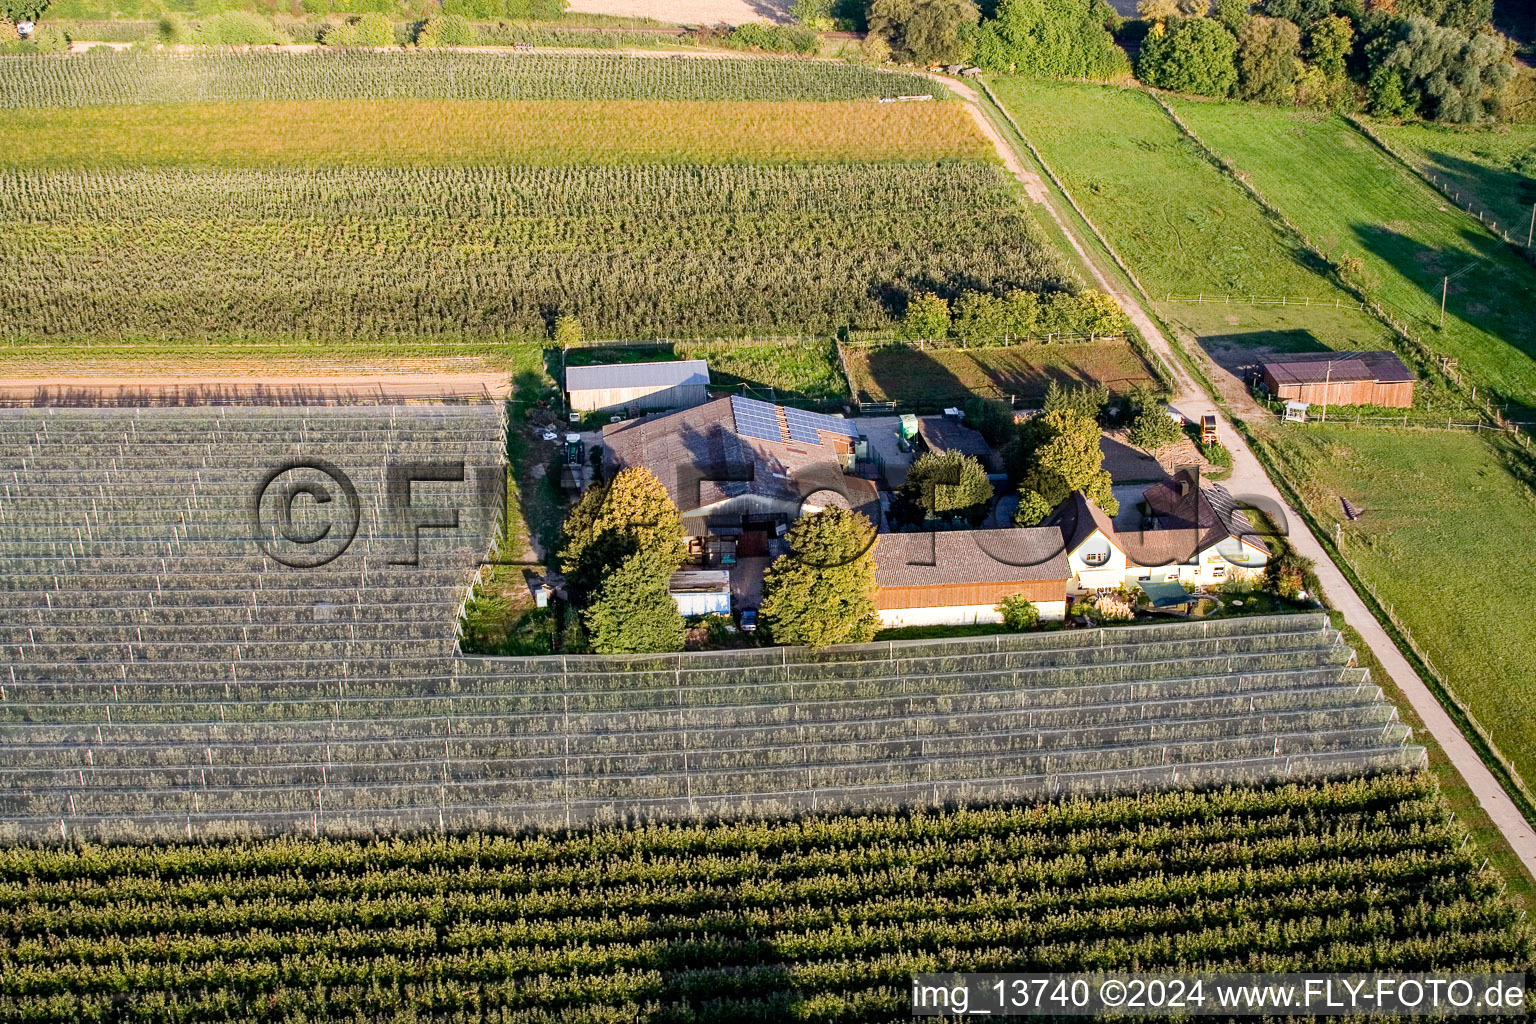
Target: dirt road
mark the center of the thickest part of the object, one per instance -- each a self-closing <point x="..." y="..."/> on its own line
<point x="1249" y="478"/>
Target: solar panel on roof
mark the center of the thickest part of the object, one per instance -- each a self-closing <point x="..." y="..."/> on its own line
<point x="805" y="426"/>
<point x="756" y="419"/>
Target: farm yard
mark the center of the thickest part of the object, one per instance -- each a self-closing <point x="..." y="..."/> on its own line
<point x="1440" y="510"/>
<point x="752" y="921"/>
<point x="399" y="788"/>
<point x="935" y="377"/>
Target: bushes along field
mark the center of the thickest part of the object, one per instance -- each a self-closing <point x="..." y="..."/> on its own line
<point x="759" y="920"/>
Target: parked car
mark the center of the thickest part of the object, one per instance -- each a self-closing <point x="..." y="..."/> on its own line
<point x="749" y="620"/>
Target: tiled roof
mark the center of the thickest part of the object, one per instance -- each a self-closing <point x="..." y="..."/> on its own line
<point x="1187" y="519"/>
<point x="959" y="557"/>
<point x="702" y="459"/>
<point x="945" y="435"/>
<point x="1076" y="519"/>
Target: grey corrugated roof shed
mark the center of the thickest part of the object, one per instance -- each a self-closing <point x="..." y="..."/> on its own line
<point x="668" y="374"/>
<point x="1317" y="367"/>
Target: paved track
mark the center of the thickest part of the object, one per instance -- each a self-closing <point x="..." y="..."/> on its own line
<point x="1248" y="477"/>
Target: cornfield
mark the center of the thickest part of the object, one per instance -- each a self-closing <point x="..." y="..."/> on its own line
<point x="368" y="253"/>
<point x="822" y="916"/>
<point x="100" y="77"/>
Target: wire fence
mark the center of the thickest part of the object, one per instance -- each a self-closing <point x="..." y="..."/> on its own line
<point x="1226" y="299"/>
<point x="1452" y="191"/>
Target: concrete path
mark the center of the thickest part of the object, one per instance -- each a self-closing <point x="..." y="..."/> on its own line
<point x="1248" y="477"/>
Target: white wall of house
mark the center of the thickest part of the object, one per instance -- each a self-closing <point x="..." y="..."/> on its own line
<point x="1095" y="563"/>
<point x="1231" y="559"/>
<point x="646" y="398"/>
<point x="962" y="615"/>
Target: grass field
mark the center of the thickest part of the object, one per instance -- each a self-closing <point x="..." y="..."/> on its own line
<point x="945" y="376"/>
<point x="402" y="133"/>
<point x="1444" y="521"/>
<point x="1183" y="227"/>
<point x="821" y="918"/>
<point x="1351" y="198"/>
<point x="1495" y="166"/>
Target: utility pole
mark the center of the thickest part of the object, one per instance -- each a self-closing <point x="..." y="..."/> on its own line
<point x="1327" y="376"/>
<point x="1445" y="283"/>
<point x="1530" y="232"/>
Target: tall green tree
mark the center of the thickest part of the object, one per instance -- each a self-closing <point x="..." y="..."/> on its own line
<point x="633" y="611"/>
<point x="567" y="332"/>
<point x="1067" y="458"/>
<point x="926" y="319"/>
<point x="1152" y="429"/>
<point x="1268" y="50"/>
<point x="1443" y="74"/>
<point x="925" y="31"/>
<point x="981" y="318"/>
<point x="947" y="483"/>
<point x="822" y="592"/>
<point x="1054" y="38"/>
<point x="1195" y="55"/>
<point x="614" y="522"/>
<point x="1232" y="14"/>
<point x="1328" y="45"/>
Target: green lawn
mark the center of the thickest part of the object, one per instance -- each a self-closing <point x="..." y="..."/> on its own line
<point x="1441" y="540"/>
<point x="1352" y="199"/>
<point x="1183" y="227"/>
<point x="1495" y="166"/>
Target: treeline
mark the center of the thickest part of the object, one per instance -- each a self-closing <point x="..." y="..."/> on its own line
<point x="1436" y="59"/>
<point x="1059" y="38"/>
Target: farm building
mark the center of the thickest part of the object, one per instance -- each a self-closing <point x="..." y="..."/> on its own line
<point x="701" y="592"/>
<point x="1340" y="378"/>
<point x="741" y="470"/>
<point x="959" y="577"/>
<point x="634" y="388"/>
<point x="943" y="434"/>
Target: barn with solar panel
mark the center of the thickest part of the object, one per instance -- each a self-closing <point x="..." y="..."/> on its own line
<point x="741" y="470"/>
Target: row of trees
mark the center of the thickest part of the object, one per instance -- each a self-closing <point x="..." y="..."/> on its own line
<point x="986" y="318"/>
<point x="1329" y="55"/>
<point x="1068" y="38"/>
<point x="1437" y="59"/>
